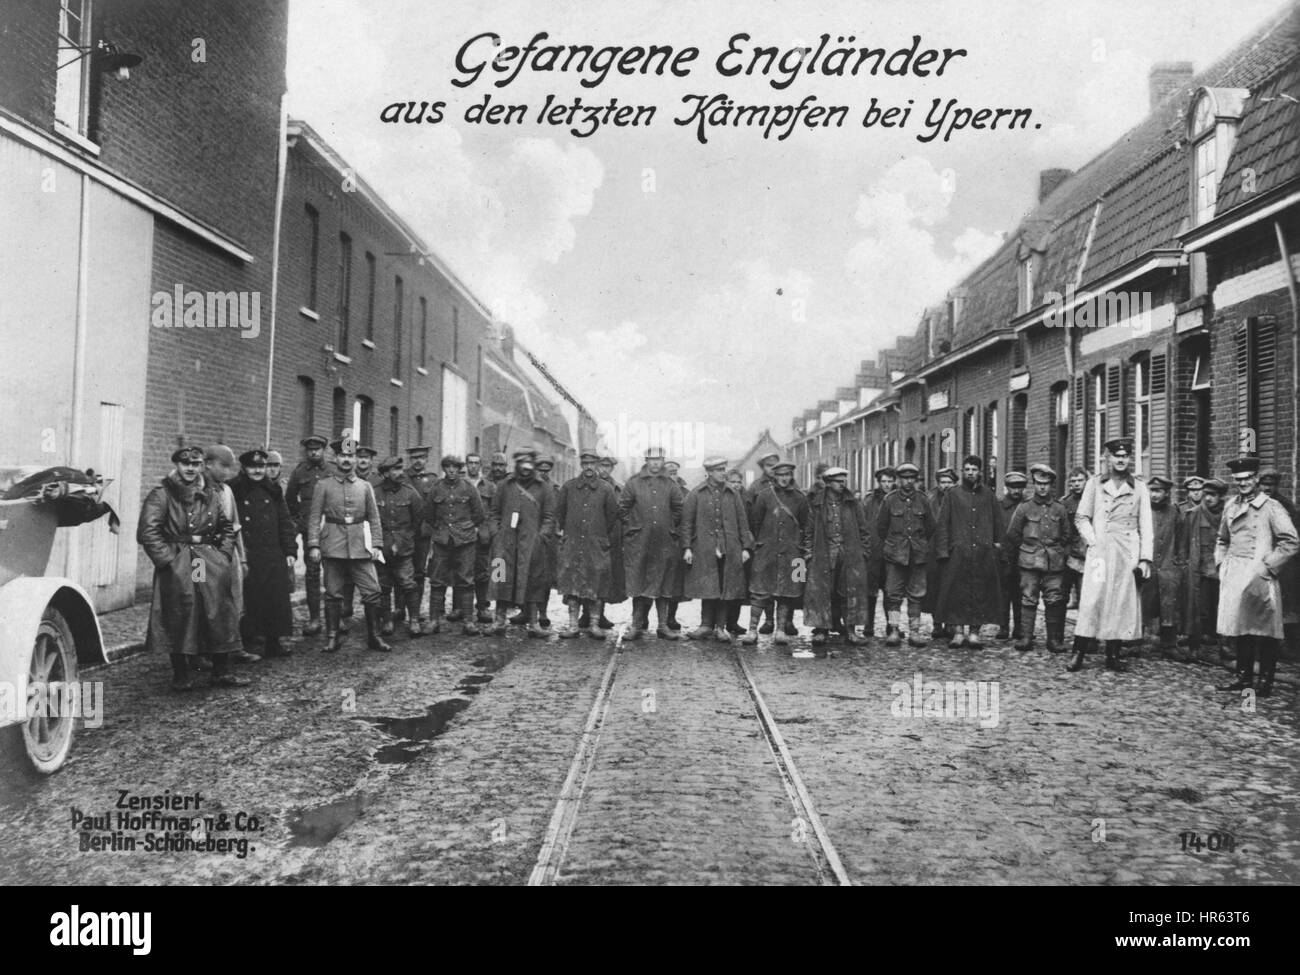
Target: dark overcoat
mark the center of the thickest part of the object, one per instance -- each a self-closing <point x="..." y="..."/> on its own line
<point x="1162" y="594"/>
<point x="269" y="535"/>
<point x="855" y="554"/>
<point x="651" y="506"/>
<point x="968" y="533"/>
<point x="618" y="579"/>
<point x="777" y="518"/>
<point x="714" y="520"/>
<point x="587" y="513"/>
<point x="193" y="609"/>
<point x="1200" y="529"/>
<point x="522" y="516"/>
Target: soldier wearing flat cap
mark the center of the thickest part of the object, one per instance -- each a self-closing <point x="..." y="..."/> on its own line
<point x="304" y="478"/>
<point x="968" y="543"/>
<point x="886" y="479"/>
<point x="550" y="552"/>
<point x="401" y="512"/>
<point x="718" y="543"/>
<point x="522" y="515"/>
<point x="767" y="478"/>
<point x="945" y="480"/>
<point x="671" y="468"/>
<point x="1114" y="518"/>
<point x="1162" y="594"/>
<point x="651" y="508"/>
<point x="1256" y="540"/>
<point x="454" y="512"/>
<point x="837" y="544"/>
<point x="778" y="519"/>
<point x="1199" y="535"/>
<point x="1038" y="538"/>
<point x="486" y="487"/>
<point x="365" y="472"/>
<point x="423" y="480"/>
<point x="905" y="525"/>
<point x="1074" y="561"/>
<point x="586" y="515"/>
<point x="272" y="548"/>
<point x="1192" y="487"/>
<point x="1013" y="496"/>
<point x="343" y="511"/>
<point x="618" y="580"/>
<point x="190" y="541"/>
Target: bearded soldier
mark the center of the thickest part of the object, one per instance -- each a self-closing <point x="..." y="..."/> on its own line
<point x="1256" y="540"/>
<point x="718" y="542"/>
<point x="190" y="541"/>
<point x="302" y="485"/>
<point x="342" y="510"/>
<point x="401" y="510"/>
<point x="1013" y="483"/>
<point x="968" y="544"/>
<point x="651" y="509"/>
<point x="523" y="514"/>
<point x="1162" y="593"/>
<point x="778" y="520"/>
<point x="1114" y="518"/>
<point x="1039" y="538"/>
<point x="1200" y="534"/>
<point x="586" y="514"/>
<point x="905" y="525"/>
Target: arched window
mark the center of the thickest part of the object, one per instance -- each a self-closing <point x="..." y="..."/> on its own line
<point x="1205" y="175"/>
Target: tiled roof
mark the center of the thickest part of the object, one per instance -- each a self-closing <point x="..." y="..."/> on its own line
<point x="990" y="295"/>
<point x="1142" y="214"/>
<point x="1059" y="266"/>
<point x="1268" y="140"/>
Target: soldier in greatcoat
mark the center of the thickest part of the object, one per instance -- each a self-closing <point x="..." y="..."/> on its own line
<point x="1013" y="495"/>
<point x="968" y="544"/>
<point x="219" y="469"/>
<point x="651" y="509"/>
<point x="1256" y="540"/>
<point x="343" y="509"/>
<point x="1162" y="593"/>
<point x="715" y="531"/>
<point x="401" y="512"/>
<point x="778" y="519"/>
<point x="269" y="542"/>
<point x="1114" y="518"/>
<point x="1200" y="534"/>
<point x="671" y="468"/>
<point x="886" y="481"/>
<point x="1074" y="558"/>
<point x="944" y="481"/>
<point x="190" y="541"/>
<point x="838" y="543"/>
<point x="1039" y="539"/>
<point x="1290" y="577"/>
<point x="545" y="465"/>
<point x="310" y="471"/>
<point x="365" y="472"/>
<point x="618" y="581"/>
<point x="1192" y="488"/>
<point x="905" y="525"/>
<point x="423" y="480"/>
<point x="453" y="511"/>
<point x="766" y="479"/>
<point x="523" y="514"/>
<point x="586" y="514"/>
<point x="486" y="487"/>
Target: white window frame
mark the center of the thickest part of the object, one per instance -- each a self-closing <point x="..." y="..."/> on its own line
<point x="1141" y="415"/>
<point x="1098" y="415"/>
<point x="74" y="69"/>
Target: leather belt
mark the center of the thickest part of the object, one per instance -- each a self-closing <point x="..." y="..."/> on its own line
<point x="188" y="540"/>
<point x="340" y="521"/>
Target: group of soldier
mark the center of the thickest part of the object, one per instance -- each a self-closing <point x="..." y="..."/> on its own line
<point x="1114" y="545"/>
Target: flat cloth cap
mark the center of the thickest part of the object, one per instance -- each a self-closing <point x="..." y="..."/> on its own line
<point x="1015" y="479"/>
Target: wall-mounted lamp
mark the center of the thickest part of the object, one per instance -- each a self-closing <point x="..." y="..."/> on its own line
<point x="105" y="56"/>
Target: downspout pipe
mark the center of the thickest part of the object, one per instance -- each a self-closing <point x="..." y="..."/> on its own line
<point x="281" y="165"/>
<point x="1295" y="341"/>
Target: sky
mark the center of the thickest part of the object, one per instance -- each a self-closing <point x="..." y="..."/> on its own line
<point x="724" y="287"/>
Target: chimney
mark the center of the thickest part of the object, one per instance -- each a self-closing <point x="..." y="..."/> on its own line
<point x="1049" y="180"/>
<point x="1166" y="78"/>
<point x="508" y="342"/>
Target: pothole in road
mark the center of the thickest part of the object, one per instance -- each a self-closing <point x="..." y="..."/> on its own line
<point x="317" y="825"/>
<point x="474" y="683"/>
<point x="413" y="734"/>
<point x="1184" y="794"/>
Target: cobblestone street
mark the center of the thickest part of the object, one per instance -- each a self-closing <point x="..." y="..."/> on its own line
<point x="444" y="761"/>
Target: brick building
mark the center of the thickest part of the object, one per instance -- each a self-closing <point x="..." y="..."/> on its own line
<point x="1151" y="293"/>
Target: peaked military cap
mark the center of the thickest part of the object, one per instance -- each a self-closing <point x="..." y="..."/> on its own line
<point x="254" y="457"/>
<point x="1118" y="444"/>
<point x="546" y="459"/>
<point x="655" y="453"/>
<point x="423" y="448"/>
<point x="713" y="463"/>
<point x="388" y="463"/>
<point x="1244" y="465"/>
<point x="946" y="472"/>
<point x="1159" y="480"/>
<point x="908" y="470"/>
<point x="609" y="460"/>
<point x="499" y="457"/>
<point x="273" y="457"/>
<point x="1043" y="469"/>
<point x="589" y="455"/>
<point x="1269" y="474"/>
<point x="1015" y="479"/>
<point x="527" y="453"/>
<point x="1215" y="484"/>
<point x="835" y="472"/>
<point x="451" y="460"/>
<point x="770" y="454"/>
<point x="1193" y="483"/>
<point x="367" y="451"/>
<point x="187" y="453"/>
<point x="784" y="465"/>
<point x="313" y="441"/>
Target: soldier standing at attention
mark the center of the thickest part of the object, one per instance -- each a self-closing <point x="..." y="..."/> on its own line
<point x="1256" y="540"/>
<point x="886" y="481"/>
<point x="273" y="464"/>
<point x="1038" y="538"/>
<point x="778" y="519"/>
<point x="341" y="510"/>
<point x="651" y="509"/>
<point x="905" y="525"/>
<point x="968" y="542"/>
<point x="302" y="485"/>
<point x="671" y="468"/>
<point x="1013" y="483"/>
<point x="401" y="510"/>
<point x="423" y="481"/>
<point x="269" y="543"/>
<point x="1201" y="583"/>
<point x="715" y="529"/>
<point x="546" y="464"/>
<point x="838" y="546"/>
<point x="1114" y="518"/>
<point x="454" y="511"/>
<point x="365" y="472"/>
<point x="586" y="514"/>
<point x="767" y="463"/>
<point x="1162" y="593"/>
<point x="486" y="487"/>
<point x="618" y="581"/>
<point x="944" y="481"/>
<point x="523" y="513"/>
<point x="1192" y="486"/>
<point x="1074" y="559"/>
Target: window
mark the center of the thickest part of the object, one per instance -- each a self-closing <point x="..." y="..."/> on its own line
<point x="991" y="441"/>
<point x="339" y="416"/>
<point x="307" y="409"/>
<point x="419" y="429"/>
<point x="455" y="417"/>
<point x="955" y="308"/>
<point x="345" y="291"/>
<point x="1060" y="430"/>
<point x="968" y="433"/>
<point x="363" y="420"/>
<point x="399" y="299"/>
<point x="1019" y="432"/>
<point x="1025" y="286"/>
<point x="75" y="67"/>
<point x="1205" y="160"/>
<point x="1140" y="377"/>
<point x="313" y="254"/>
<point x="455" y="334"/>
<point x="1099" y="434"/>
<point x="1257" y="392"/>
<point x="1018" y="352"/>
<point x="393" y="422"/>
<point x="909" y="451"/>
<point x="370" y="297"/>
<point x="424" y="332"/>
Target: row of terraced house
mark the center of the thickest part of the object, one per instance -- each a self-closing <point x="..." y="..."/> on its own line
<point x="1151" y="293"/>
<point x="183" y="263"/>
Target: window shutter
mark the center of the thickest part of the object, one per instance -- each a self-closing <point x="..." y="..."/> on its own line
<point x="1114" y="400"/>
<point x="1159" y="407"/>
<point x="1244" y="379"/>
<point x="1079" y="431"/>
<point x="1264" y="373"/>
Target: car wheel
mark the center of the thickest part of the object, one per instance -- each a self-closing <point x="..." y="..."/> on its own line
<point x="47" y="739"/>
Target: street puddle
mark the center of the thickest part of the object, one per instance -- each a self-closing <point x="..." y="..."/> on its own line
<point x="413" y="734"/>
<point x="317" y="825"/>
<point x="474" y="683"/>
